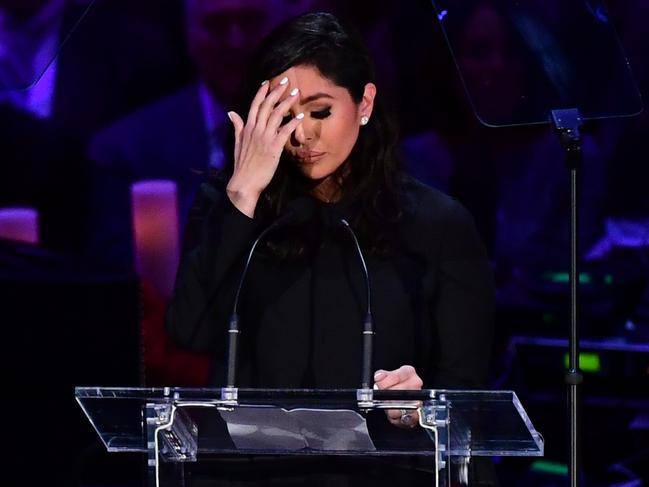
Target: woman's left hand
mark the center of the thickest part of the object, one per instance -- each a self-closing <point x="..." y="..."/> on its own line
<point x="403" y="378"/>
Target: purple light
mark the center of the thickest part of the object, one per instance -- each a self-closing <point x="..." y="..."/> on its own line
<point x="156" y="235"/>
<point x="442" y="14"/>
<point x="19" y="224"/>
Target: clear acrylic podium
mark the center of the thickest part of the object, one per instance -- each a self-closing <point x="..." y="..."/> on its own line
<point x="174" y="426"/>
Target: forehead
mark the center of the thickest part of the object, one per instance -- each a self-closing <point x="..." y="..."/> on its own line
<point x="307" y="79"/>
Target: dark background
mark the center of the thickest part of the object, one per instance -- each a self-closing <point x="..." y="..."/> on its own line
<point x="76" y="314"/>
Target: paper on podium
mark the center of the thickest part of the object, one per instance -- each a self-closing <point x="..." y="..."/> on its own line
<point x="268" y="428"/>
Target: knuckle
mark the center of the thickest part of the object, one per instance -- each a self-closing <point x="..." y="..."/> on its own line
<point x="408" y="369"/>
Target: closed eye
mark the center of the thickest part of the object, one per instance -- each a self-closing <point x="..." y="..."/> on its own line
<point x="321" y="113"/>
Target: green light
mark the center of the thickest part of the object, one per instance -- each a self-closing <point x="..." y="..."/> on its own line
<point x="564" y="277"/>
<point x="588" y="362"/>
<point x="552" y="468"/>
<point x="549" y="318"/>
<point x="608" y="279"/>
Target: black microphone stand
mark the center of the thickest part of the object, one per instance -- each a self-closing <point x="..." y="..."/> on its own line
<point x="567" y="123"/>
<point x="368" y="324"/>
<point x="233" y="329"/>
<point x="299" y="210"/>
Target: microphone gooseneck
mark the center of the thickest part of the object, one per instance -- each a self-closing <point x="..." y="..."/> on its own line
<point x="368" y="324"/>
<point x="297" y="212"/>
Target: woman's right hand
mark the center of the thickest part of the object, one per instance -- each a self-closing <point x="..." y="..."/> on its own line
<point x="258" y="144"/>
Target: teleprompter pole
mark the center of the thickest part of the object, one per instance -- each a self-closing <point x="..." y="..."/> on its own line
<point x="567" y="124"/>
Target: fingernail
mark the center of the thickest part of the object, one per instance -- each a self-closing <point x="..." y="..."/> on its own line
<point x="378" y="375"/>
<point x="284" y="80"/>
<point x="294" y="91"/>
<point x="300" y="116"/>
<point x="375" y="387"/>
<point x="230" y="116"/>
<point x="265" y="82"/>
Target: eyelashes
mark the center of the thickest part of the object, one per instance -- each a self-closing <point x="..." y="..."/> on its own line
<point x="321" y="114"/>
<point x="318" y="115"/>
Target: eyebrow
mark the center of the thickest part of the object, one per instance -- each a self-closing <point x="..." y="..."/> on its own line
<point x="315" y="97"/>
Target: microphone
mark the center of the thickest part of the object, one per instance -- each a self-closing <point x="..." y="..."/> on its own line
<point x="368" y="324"/>
<point x="297" y="212"/>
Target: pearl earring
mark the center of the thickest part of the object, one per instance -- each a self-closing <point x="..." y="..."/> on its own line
<point x="364" y="119"/>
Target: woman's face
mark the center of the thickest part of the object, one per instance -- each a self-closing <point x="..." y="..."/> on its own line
<point x="332" y="120"/>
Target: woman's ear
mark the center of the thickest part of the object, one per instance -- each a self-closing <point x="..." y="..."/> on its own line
<point x="367" y="103"/>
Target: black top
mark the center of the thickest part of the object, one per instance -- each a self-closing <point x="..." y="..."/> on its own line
<point x="301" y="319"/>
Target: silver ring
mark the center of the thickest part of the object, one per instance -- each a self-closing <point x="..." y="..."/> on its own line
<point x="406" y="417"/>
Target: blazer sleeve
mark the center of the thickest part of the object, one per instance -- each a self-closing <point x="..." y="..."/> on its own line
<point x="217" y="237"/>
<point x="463" y="305"/>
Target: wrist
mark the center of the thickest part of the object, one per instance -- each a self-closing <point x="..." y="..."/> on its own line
<point x="245" y="200"/>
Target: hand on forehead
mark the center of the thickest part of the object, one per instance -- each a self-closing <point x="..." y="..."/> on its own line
<point x="308" y="80"/>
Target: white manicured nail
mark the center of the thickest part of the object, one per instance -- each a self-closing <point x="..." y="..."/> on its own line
<point x="265" y="82"/>
<point x="230" y="116"/>
<point x="294" y="91"/>
<point x="300" y="116"/>
<point x="284" y="80"/>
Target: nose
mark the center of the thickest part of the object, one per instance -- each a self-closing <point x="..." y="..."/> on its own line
<point x="300" y="135"/>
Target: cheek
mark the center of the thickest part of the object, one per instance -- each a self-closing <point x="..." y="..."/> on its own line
<point x="343" y="134"/>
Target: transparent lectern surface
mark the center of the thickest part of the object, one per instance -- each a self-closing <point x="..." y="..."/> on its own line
<point x="521" y="59"/>
<point x="482" y="423"/>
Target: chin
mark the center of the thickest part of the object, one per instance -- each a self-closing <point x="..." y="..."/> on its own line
<point x="314" y="171"/>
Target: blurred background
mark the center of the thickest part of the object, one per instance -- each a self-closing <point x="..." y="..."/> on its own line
<point x="111" y="112"/>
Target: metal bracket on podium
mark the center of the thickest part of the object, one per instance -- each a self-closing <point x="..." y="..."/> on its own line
<point x="177" y="434"/>
<point x="434" y="417"/>
<point x="365" y="398"/>
<point x="179" y="443"/>
<point x="229" y="396"/>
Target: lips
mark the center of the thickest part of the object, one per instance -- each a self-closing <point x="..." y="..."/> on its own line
<point x="309" y="157"/>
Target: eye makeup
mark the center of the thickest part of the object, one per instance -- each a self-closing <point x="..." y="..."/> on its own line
<point x="321" y="114"/>
<point x="318" y="115"/>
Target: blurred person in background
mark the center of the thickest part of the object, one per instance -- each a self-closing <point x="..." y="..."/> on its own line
<point x="178" y="137"/>
<point x="515" y="179"/>
<point x="54" y="94"/>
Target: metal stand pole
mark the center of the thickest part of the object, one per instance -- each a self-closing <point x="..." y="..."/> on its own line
<point x="567" y="124"/>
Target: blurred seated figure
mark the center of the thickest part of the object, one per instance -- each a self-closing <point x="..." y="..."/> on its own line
<point x="54" y="94"/>
<point x="514" y="179"/>
<point x="178" y="137"/>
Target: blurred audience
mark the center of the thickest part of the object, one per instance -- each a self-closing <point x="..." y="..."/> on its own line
<point x="60" y="81"/>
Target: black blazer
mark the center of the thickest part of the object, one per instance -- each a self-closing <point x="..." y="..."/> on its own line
<point x="301" y="320"/>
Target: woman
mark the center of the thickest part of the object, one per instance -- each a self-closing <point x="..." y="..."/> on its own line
<point x="315" y="129"/>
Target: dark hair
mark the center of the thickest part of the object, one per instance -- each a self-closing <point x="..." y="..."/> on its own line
<point x="371" y="185"/>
